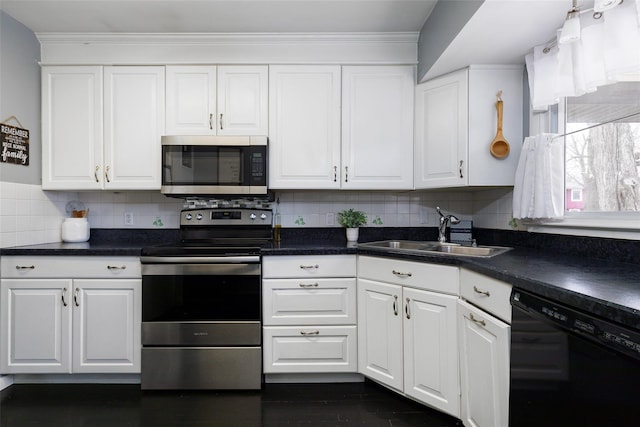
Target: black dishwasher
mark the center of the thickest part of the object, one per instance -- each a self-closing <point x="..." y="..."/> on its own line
<point x="570" y="368"/>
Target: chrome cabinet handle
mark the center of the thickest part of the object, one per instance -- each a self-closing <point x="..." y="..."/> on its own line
<point x="306" y="334"/>
<point x="25" y="267"/>
<point x="335" y="174"/>
<point x="401" y="274"/>
<point x="460" y="168"/>
<point x="95" y="173"/>
<point x="64" y="292"/>
<point x="309" y="285"/>
<point x="221" y="122"/>
<point x="407" y="310"/>
<point x="75" y="297"/>
<point x="346" y="174"/>
<point x="478" y="291"/>
<point x="478" y="321"/>
<point x="395" y="305"/>
<point x="106" y="174"/>
<point x="211" y="121"/>
<point x="309" y="267"/>
<point x="115" y="267"/>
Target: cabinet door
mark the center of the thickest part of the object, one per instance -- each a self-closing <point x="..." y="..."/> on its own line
<point x="377" y="127"/>
<point x="242" y="100"/>
<point x="191" y="100"/>
<point x="36" y="326"/>
<point x="441" y="131"/>
<point x="304" y="127"/>
<point x="431" y="349"/>
<point x="72" y="128"/>
<point x="134" y="122"/>
<point x="380" y="332"/>
<point x="484" y="368"/>
<point x="106" y="325"/>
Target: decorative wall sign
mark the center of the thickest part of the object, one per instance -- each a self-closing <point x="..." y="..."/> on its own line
<point x="15" y="143"/>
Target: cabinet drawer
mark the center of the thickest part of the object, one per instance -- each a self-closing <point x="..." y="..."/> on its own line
<point x="309" y="266"/>
<point x="431" y="277"/>
<point x="309" y="302"/>
<point x="489" y="294"/>
<point x="70" y="266"/>
<point x="310" y="349"/>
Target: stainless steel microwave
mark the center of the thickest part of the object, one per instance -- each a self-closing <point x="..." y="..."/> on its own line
<point x="195" y="165"/>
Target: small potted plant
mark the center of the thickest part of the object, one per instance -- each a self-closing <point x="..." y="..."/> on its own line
<point x="352" y="219"/>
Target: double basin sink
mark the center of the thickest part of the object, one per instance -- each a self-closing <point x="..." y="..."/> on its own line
<point x="430" y="247"/>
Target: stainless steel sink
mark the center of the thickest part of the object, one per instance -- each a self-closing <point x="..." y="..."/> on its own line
<point x="432" y="247"/>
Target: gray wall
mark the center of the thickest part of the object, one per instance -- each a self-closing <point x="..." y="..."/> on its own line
<point x="442" y="26"/>
<point x="20" y="94"/>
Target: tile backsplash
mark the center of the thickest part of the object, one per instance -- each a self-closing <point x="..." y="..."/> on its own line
<point x="29" y="215"/>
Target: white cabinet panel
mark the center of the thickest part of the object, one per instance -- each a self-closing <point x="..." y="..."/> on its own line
<point x="322" y="301"/>
<point x="36" y="326"/>
<point x="304" y="126"/>
<point x="380" y="332"/>
<point x="310" y="349"/>
<point x="191" y="100"/>
<point x="106" y="325"/>
<point x="484" y="368"/>
<point x="431" y="349"/>
<point x="309" y="266"/>
<point x="134" y="122"/>
<point x="489" y="294"/>
<point x="377" y="127"/>
<point x="71" y="127"/>
<point x="242" y="100"/>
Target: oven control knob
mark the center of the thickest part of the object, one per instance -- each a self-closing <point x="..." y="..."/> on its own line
<point x="263" y="216"/>
<point x="188" y="216"/>
<point x="199" y="217"/>
<point x="252" y="216"/>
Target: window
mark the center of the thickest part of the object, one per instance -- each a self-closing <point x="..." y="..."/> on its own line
<point x="602" y="151"/>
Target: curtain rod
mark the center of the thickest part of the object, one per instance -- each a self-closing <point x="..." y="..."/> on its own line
<point x="596" y="125"/>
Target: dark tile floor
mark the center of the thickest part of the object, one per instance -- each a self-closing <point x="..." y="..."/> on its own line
<point x="82" y="405"/>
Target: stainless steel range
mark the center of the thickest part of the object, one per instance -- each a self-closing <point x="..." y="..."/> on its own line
<point x="201" y="302"/>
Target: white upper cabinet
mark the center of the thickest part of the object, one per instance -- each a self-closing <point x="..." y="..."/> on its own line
<point x="191" y="100"/>
<point x="377" y="127"/>
<point x="102" y="127"/>
<point x="72" y="128"/>
<point x="133" y="125"/>
<point x="222" y="100"/>
<point x="243" y="100"/>
<point x="456" y="121"/>
<point x="304" y="126"/>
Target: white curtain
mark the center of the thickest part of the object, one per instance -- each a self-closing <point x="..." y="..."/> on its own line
<point x="608" y="49"/>
<point x="538" y="190"/>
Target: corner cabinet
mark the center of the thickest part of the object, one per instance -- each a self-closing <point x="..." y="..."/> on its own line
<point x="335" y="127"/>
<point x="217" y="100"/>
<point x="407" y="327"/>
<point x="309" y="314"/>
<point x="70" y="315"/>
<point x="456" y="121"/>
<point x="97" y="125"/>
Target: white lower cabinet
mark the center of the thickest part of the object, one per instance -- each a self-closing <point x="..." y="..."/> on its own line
<point x="309" y="314"/>
<point x="407" y="333"/>
<point x="70" y="325"/>
<point x="484" y="350"/>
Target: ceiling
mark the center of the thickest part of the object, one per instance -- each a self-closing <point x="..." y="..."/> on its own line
<point x="219" y="16"/>
<point x="500" y="32"/>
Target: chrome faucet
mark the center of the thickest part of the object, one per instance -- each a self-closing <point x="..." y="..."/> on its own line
<point x="444" y="220"/>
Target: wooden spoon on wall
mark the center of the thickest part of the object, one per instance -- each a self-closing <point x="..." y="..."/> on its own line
<point x="499" y="146"/>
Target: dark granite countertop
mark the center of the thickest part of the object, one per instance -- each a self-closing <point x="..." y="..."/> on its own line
<point x="605" y="288"/>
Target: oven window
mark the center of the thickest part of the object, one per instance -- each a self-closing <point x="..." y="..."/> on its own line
<point x="200" y="298"/>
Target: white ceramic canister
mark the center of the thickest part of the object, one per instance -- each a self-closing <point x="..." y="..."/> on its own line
<point x="75" y="230"/>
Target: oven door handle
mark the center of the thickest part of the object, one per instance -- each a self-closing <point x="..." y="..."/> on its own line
<point x="200" y="260"/>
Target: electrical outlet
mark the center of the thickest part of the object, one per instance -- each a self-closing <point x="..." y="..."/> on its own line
<point x="128" y="218"/>
<point x="331" y="218"/>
